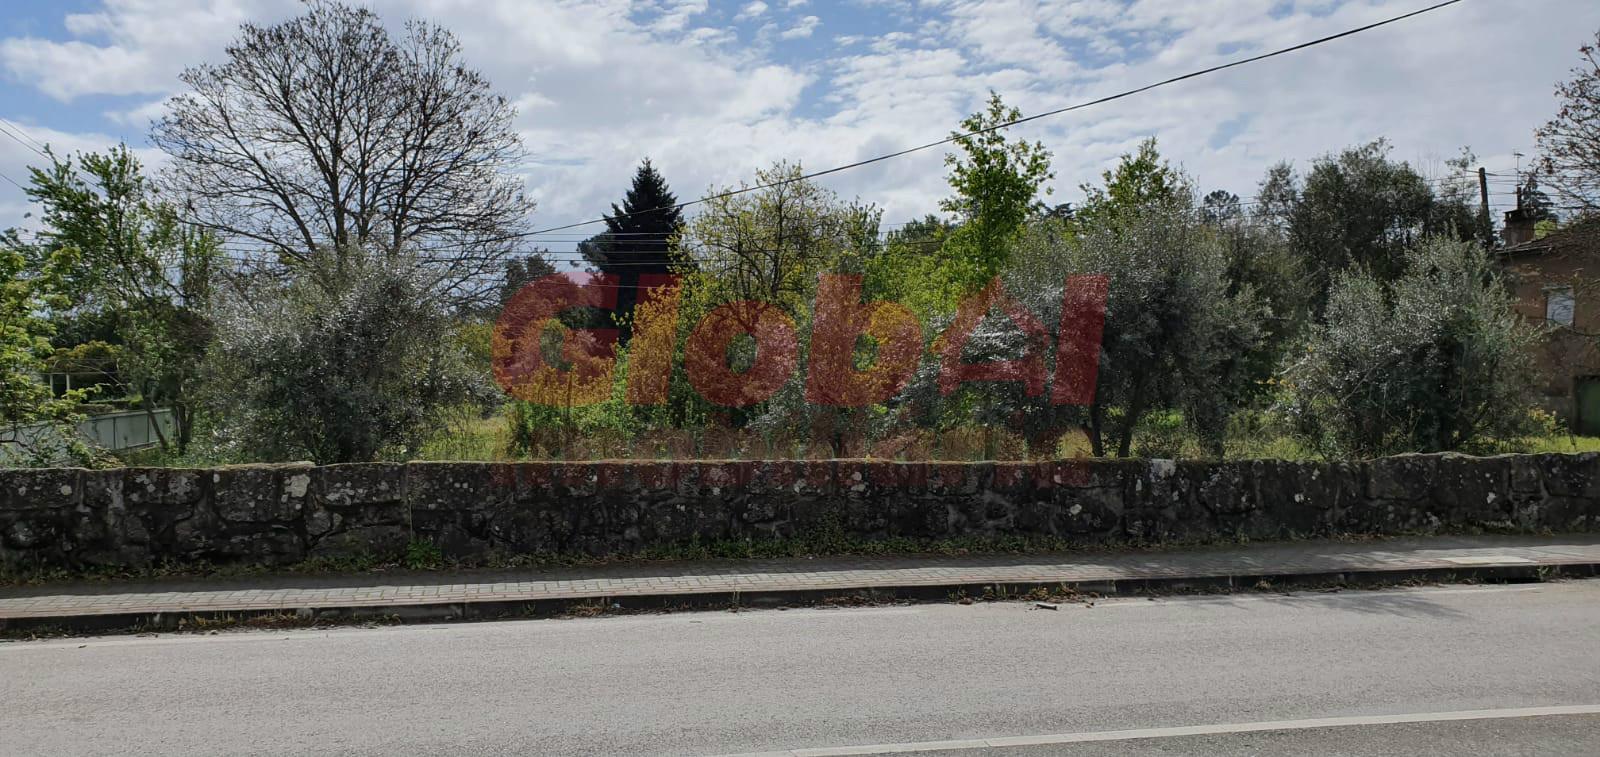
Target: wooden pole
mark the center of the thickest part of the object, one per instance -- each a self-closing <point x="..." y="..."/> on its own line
<point x="1483" y="190"/>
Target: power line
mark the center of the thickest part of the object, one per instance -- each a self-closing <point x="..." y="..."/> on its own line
<point x="1465" y="180"/>
<point x="1035" y="117"/>
<point x="42" y="153"/>
<point x="19" y="130"/>
<point x="19" y="140"/>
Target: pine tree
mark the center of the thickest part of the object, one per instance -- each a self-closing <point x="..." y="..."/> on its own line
<point x="637" y="237"/>
<point x="522" y="271"/>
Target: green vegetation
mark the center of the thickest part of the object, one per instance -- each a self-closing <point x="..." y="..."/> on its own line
<point x="142" y="284"/>
<point x="33" y="284"/>
<point x="333" y="295"/>
<point x="1433" y="360"/>
<point x="350" y="361"/>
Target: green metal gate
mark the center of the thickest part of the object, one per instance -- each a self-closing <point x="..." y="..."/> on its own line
<point x="1588" y="396"/>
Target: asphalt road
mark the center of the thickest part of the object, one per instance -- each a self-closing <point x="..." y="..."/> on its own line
<point x="717" y="683"/>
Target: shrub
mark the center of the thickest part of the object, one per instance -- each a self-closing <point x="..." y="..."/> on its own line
<point x="1177" y="331"/>
<point x="1428" y="363"/>
<point x="348" y="360"/>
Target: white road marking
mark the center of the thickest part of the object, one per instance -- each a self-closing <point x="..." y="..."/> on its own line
<point x="1176" y="731"/>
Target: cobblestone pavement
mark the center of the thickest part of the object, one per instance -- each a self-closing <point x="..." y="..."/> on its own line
<point x="400" y="589"/>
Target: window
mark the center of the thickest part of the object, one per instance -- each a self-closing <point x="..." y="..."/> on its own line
<point x="1558" y="305"/>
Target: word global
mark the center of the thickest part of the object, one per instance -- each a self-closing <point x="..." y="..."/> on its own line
<point x="840" y="320"/>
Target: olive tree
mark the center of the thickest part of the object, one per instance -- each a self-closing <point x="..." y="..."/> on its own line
<point x="354" y="360"/>
<point x="1174" y="323"/>
<point x="1431" y="362"/>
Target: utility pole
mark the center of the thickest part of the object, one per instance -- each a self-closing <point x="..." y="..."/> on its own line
<point x="1483" y="191"/>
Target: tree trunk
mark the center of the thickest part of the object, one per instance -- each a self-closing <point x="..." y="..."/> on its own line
<point x="150" y="414"/>
<point x="1129" y="422"/>
<point x="185" y="423"/>
<point x="1097" y="444"/>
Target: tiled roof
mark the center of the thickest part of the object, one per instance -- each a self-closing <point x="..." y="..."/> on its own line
<point x="1582" y="234"/>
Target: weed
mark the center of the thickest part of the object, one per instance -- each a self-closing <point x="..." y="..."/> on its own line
<point x="423" y="555"/>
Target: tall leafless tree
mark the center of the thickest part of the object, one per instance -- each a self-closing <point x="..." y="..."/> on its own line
<point x="1570" y="143"/>
<point x="326" y="132"/>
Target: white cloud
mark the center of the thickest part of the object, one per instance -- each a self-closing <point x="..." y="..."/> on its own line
<point x="140" y="117"/>
<point x="752" y="10"/>
<point x="147" y="42"/>
<point x="18" y="154"/>
<point x="602" y="83"/>
<point x="802" y="29"/>
<point x="678" y="13"/>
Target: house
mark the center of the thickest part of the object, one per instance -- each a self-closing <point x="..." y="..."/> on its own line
<point x="1556" y="279"/>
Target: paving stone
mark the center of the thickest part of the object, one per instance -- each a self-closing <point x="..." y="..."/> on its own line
<point x="789" y="574"/>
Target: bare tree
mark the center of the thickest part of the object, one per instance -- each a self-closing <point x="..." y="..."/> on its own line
<point x="1570" y="142"/>
<point x="326" y="132"/>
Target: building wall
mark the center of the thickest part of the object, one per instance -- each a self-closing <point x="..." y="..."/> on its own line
<point x="1567" y="354"/>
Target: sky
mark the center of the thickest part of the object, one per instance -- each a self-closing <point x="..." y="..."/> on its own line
<point x="712" y="91"/>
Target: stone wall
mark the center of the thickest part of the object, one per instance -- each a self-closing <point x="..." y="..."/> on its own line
<point x="277" y="514"/>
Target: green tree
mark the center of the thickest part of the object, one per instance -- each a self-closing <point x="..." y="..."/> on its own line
<point x="1433" y="361"/>
<point x="995" y="184"/>
<point x="1220" y="206"/>
<point x="354" y="361"/>
<point x="1260" y="260"/>
<point x="1174" y="323"/>
<point x="151" y="275"/>
<point x="1361" y="210"/>
<point x="520" y="272"/>
<point x="906" y="269"/>
<point x="38" y="425"/>
<point x="638" y="238"/>
<point x="1537" y="203"/>
<point x="1141" y="181"/>
<point x="770" y="244"/>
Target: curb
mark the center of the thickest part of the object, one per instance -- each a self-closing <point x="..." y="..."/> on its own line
<point x="493" y="609"/>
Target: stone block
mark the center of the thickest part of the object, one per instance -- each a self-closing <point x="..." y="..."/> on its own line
<point x="40" y="488"/>
<point x="1473" y="491"/>
<point x="1571" y="475"/>
<point x="1227" y="488"/>
<point x="163" y="486"/>
<point x="1402" y="478"/>
<point x="261" y="493"/>
<point x="356" y="508"/>
<point x="458" y="486"/>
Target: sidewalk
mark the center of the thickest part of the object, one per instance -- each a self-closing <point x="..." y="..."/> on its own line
<point x="523" y="593"/>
